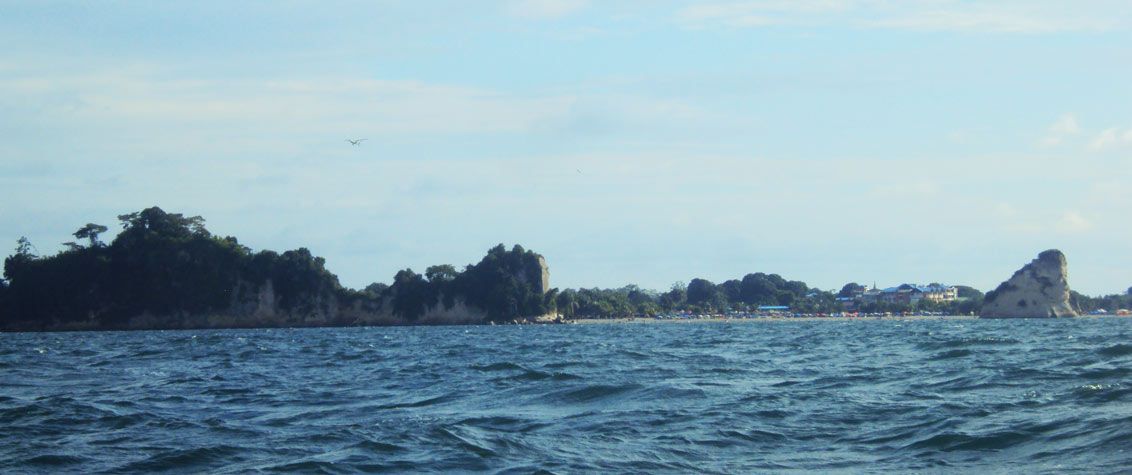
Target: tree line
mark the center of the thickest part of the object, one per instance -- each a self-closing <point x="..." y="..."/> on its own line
<point x="701" y="296"/>
<point x="169" y="267"/>
<point x="1109" y="303"/>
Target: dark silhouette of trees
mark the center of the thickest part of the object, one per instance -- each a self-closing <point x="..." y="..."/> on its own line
<point x="90" y="232"/>
<point x="850" y="289"/>
<point x="441" y="273"/>
<point x="167" y="268"/>
<point x="411" y="294"/>
<point x="505" y="284"/>
<point x="700" y="292"/>
<point x="161" y="264"/>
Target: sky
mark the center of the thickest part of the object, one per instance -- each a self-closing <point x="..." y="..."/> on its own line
<point x="644" y="142"/>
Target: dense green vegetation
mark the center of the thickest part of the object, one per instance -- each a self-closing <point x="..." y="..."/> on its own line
<point x="698" y="296"/>
<point x="1108" y="303"/>
<point x="505" y="285"/>
<point x="701" y="296"/>
<point x="160" y="265"/>
<point x="165" y="270"/>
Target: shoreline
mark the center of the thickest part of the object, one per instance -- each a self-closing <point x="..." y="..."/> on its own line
<point x="910" y="318"/>
<point x="637" y="321"/>
<point x="580" y="321"/>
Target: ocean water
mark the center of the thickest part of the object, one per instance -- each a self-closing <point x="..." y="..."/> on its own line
<point x="1021" y="396"/>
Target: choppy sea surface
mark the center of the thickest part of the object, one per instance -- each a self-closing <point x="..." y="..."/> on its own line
<point x="1031" y="396"/>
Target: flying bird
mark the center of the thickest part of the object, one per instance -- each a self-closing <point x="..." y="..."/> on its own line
<point x="356" y="142"/>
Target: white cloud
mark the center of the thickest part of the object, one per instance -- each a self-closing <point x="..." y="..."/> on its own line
<point x="757" y="13"/>
<point x="546" y="9"/>
<point x="916" y="15"/>
<point x="1065" y="127"/>
<point x="1074" y="222"/>
<point x="1005" y="209"/>
<point x="918" y="188"/>
<point x="1105" y="139"/>
<point x="1109" y="138"/>
<point x="310" y="104"/>
<point x="754" y="14"/>
<point x="988" y="18"/>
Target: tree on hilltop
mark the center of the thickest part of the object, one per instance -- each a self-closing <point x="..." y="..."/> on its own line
<point x="156" y="221"/>
<point x="851" y="288"/>
<point x="441" y="273"/>
<point x="90" y="232"/>
<point x="701" y="292"/>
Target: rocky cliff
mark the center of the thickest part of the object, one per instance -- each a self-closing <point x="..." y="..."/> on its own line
<point x="1040" y="289"/>
<point x="165" y="270"/>
<point x="544" y="275"/>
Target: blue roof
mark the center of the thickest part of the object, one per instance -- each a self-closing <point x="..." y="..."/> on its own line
<point x="773" y="307"/>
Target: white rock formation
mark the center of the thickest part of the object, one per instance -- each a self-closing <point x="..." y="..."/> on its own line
<point x="1038" y="290"/>
<point x="544" y="275"/>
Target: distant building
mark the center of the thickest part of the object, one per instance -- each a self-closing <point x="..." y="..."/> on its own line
<point x="904" y="294"/>
<point x="869" y="296"/>
<point x="940" y="293"/>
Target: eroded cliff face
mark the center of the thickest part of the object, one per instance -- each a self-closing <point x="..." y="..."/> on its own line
<point x="544" y="275"/>
<point x="261" y="305"/>
<point x="258" y="305"/>
<point x="1040" y="289"/>
<point x="460" y="313"/>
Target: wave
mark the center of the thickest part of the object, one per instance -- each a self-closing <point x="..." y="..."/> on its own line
<point x="964" y="342"/>
<point x="55" y="460"/>
<point x="182" y="459"/>
<point x="308" y="466"/>
<point x="1101" y="393"/>
<point x="959" y="353"/>
<point x="1105" y="373"/>
<point x="375" y="447"/>
<point x="593" y="393"/>
<point x="535" y="375"/>
<point x="753" y="435"/>
<point x="464" y="442"/>
<point x="636" y="355"/>
<point x="432" y="401"/>
<point x="566" y="364"/>
<point x="952" y="441"/>
<point x="1117" y="350"/>
<point x="921" y="397"/>
<point x="502" y="366"/>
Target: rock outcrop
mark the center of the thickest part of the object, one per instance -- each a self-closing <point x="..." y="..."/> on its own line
<point x="166" y="271"/>
<point x="544" y="275"/>
<point x="1038" y="290"/>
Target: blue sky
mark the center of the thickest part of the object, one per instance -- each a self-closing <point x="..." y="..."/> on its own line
<point x="641" y="142"/>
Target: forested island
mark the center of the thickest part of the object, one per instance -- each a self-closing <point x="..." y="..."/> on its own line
<point x="165" y="271"/>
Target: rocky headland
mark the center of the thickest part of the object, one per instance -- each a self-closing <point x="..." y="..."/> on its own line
<point x="166" y="271"/>
<point x="1039" y="289"/>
